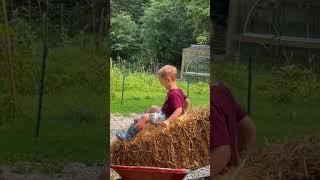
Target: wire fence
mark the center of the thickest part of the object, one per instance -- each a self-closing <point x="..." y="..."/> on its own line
<point x="137" y="83"/>
<point x="276" y="81"/>
<point x="58" y="59"/>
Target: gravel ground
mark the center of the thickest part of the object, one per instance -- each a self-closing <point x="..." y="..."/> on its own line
<point x="120" y="122"/>
<point x="72" y="171"/>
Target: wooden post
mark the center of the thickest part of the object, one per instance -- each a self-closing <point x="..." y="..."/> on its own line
<point x="182" y="63"/>
<point x="9" y="57"/>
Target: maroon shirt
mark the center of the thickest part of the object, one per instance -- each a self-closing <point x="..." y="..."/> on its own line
<point x="225" y="116"/>
<point x="174" y="100"/>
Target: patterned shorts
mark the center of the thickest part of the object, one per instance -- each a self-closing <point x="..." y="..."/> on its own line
<point x="155" y="118"/>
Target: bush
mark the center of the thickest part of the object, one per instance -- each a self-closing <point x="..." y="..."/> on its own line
<point x="292" y="82"/>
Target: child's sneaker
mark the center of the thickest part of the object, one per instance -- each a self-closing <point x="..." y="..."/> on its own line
<point x="121" y="134"/>
<point x="130" y="134"/>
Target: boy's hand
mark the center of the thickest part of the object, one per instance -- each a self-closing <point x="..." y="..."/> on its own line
<point x="174" y="116"/>
<point x="165" y="123"/>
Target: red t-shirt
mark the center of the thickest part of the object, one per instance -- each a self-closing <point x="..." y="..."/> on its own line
<point x="225" y="116"/>
<point x="175" y="99"/>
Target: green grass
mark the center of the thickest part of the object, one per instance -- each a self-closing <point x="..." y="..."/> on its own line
<point x="276" y="120"/>
<point x="143" y="90"/>
<point x="73" y="126"/>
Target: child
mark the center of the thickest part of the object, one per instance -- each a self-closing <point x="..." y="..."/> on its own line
<point x="232" y="131"/>
<point x="175" y="104"/>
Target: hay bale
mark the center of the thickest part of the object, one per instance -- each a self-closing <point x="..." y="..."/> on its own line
<point x="184" y="144"/>
<point x="295" y="160"/>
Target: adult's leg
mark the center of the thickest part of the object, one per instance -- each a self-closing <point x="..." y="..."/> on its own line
<point x="246" y="135"/>
<point x="220" y="158"/>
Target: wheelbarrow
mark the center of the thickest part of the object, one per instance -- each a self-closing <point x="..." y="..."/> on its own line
<point x="149" y="173"/>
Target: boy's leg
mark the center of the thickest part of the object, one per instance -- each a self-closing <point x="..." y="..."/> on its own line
<point x="220" y="157"/>
<point x="129" y="134"/>
<point x="153" y="109"/>
<point x="246" y="135"/>
<point x="142" y="122"/>
<point x="133" y="129"/>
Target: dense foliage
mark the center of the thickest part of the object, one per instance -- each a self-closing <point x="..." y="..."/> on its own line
<point x="164" y="28"/>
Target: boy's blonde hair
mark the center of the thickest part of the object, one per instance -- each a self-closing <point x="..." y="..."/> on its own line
<point x="168" y="71"/>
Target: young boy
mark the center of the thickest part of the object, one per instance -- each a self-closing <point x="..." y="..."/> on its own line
<point x="232" y="131"/>
<point x="175" y="104"/>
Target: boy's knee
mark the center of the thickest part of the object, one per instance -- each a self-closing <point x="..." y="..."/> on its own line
<point x="145" y="116"/>
<point x="154" y="109"/>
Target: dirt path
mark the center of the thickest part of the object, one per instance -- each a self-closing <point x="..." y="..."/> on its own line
<point x="72" y="171"/>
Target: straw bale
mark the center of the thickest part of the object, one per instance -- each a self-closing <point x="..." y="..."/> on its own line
<point x="297" y="160"/>
<point x="184" y="144"/>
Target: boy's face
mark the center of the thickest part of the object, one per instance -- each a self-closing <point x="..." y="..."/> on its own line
<point x="165" y="81"/>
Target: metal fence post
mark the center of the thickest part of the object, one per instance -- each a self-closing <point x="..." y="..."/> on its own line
<point x="249" y="85"/>
<point x="43" y="68"/>
<point x="188" y="86"/>
<point x="124" y="77"/>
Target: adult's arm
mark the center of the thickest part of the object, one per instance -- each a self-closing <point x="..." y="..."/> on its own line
<point x="220" y="157"/>
<point x="246" y="135"/>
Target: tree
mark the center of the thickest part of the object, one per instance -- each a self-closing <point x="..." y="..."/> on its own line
<point x="166" y="30"/>
<point x="124" y="36"/>
<point x="199" y="11"/>
<point x="135" y="8"/>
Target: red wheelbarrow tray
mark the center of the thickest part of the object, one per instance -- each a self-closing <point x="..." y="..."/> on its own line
<point x="149" y="173"/>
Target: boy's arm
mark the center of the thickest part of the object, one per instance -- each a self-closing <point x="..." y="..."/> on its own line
<point x="174" y="116"/>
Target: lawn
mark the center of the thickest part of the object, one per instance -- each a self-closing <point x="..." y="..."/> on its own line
<point x="141" y="90"/>
<point x="73" y="125"/>
<point x="285" y="105"/>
